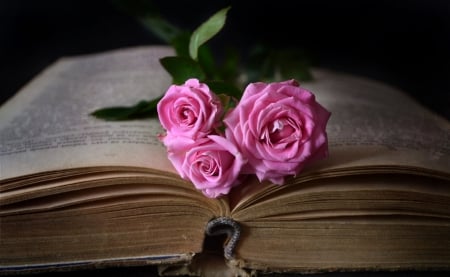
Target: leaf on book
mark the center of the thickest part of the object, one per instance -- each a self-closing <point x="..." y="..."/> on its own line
<point x="206" y="31"/>
<point x="142" y="109"/>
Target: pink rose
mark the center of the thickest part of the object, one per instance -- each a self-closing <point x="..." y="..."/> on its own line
<point x="212" y="164"/>
<point x="279" y="128"/>
<point x="190" y="110"/>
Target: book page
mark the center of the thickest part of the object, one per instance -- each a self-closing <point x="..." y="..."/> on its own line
<point x="47" y="125"/>
<point x="373" y="124"/>
<point x="373" y="128"/>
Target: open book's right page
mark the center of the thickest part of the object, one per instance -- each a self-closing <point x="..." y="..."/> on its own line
<point x="376" y="125"/>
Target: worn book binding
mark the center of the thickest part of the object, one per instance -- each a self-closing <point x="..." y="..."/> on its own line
<point x="214" y="261"/>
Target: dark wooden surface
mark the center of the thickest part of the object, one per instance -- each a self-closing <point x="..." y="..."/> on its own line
<point x="152" y="272"/>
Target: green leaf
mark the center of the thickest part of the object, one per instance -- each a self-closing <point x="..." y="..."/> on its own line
<point x="142" y="109"/>
<point x="161" y="28"/>
<point x="182" y="68"/>
<point x="206" y="61"/>
<point x="220" y="87"/>
<point x="181" y="44"/>
<point x="206" y="31"/>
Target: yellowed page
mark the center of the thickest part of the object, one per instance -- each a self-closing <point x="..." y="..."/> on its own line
<point x="374" y="128"/>
<point x="377" y="125"/>
<point x="47" y="126"/>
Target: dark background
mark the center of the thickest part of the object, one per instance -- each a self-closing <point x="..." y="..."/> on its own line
<point x="403" y="43"/>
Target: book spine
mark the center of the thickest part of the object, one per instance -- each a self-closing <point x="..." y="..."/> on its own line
<point x="211" y="262"/>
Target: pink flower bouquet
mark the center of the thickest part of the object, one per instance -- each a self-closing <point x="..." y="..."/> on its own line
<point x="273" y="132"/>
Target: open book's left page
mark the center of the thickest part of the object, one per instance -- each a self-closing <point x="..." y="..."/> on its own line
<point x="47" y="125"/>
<point x="92" y="199"/>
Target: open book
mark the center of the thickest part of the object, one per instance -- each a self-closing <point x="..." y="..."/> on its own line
<point x="78" y="192"/>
